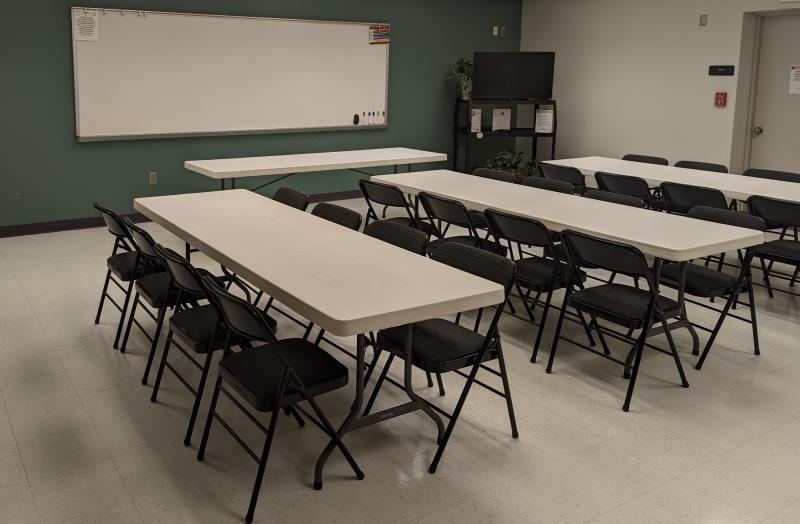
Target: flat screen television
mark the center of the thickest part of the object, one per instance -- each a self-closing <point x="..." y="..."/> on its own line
<point x="513" y="75"/>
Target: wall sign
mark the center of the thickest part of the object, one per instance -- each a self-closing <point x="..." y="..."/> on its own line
<point x="794" y="79"/>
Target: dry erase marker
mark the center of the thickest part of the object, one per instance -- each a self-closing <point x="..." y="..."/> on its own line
<point x="384" y="117"/>
<point x="363" y="118"/>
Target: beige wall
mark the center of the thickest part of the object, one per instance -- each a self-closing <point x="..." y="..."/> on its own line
<point x="632" y="75"/>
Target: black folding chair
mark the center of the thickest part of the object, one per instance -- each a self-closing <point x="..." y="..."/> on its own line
<point x="155" y="290"/>
<point x="291" y="197"/>
<point x="196" y="329"/>
<point x="494" y="174"/>
<point x="615" y="198"/>
<point x="630" y="186"/>
<point x="443" y="346"/>
<point x="279" y="374"/>
<point x="124" y="266"/>
<point x="452" y="212"/>
<point x="785" y="215"/>
<point x="550" y="184"/>
<point x="702" y="166"/>
<point x="783" y="176"/>
<point x="626" y="306"/>
<point x="564" y="174"/>
<point x="338" y="215"/>
<point x="703" y="282"/>
<point x="646" y="159"/>
<point x="390" y="196"/>
<point x="535" y="274"/>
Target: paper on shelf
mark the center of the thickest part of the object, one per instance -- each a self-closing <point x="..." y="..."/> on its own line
<point x="501" y="119"/>
<point x="544" y="121"/>
<point x="475" y="121"/>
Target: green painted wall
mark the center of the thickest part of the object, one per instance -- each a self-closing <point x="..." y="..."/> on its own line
<point x="47" y="175"/>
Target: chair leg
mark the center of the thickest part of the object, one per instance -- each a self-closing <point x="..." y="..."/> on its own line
<point x="586" y="328"/>
<point x="308" y="330"/>
<point x="162" y="312"/>
<point x="187" y="440"/>
<point x="635" y="372"/>
<point x="794" y="276"/>
<point x="556" y="336"/>
<point x="753" y="321"/>
<point x="721" y="261"/>
<point x="429" y="378"/>
<point x="332" y="433"/>
<point x="262" y="464"/>
<point x="600" y="336"/>
<point x="161" y="366"/>
<point x="765" y="271"/>
<point x="675" y="355"/>
<point x="102" y="297"/>
<point x="201" y="452"/>
<point x="122" y="313"/>
<point x="541" y="325"/>
<point x="507" y="390"/>
<point x="378" y="385"/>
<point x="715" y="332"/>
<point x="440" y="384"/>
<point x="453" y="419"/>
<point x="293" y="412"/>
<point x="131" y="317"/>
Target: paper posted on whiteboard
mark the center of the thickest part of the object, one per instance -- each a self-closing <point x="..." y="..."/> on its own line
<point x="501" y="119"/>
<point x="475" y="121"/>
<point x="794" y="79"/>
<point x="544" y="121"/>
<point x="85" y="25"/>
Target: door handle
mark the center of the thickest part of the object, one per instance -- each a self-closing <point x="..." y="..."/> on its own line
<point x="758" y="130"/>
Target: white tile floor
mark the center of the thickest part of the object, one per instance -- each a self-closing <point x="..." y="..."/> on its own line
<point x="80" y="441"/>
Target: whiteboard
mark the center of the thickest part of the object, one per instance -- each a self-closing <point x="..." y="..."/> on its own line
<point x="147" y="74"/>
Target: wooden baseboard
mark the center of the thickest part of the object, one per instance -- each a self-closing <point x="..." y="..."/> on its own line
<point x="85" y="223"/>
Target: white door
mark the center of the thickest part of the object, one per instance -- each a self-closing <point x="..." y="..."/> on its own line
<point x="776" y="122"/>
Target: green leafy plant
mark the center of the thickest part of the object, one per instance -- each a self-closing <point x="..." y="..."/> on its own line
<point x="510" y="161"/>
<point x="461" y="76"/>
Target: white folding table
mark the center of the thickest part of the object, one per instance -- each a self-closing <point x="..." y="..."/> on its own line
<point x="734" y="187"/>
<point x="342" y="280"/>
<point x="284" y="166"/>
<point x="660" y="235"/>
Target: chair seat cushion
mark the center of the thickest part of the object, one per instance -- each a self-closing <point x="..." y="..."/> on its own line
<point x="195" y="326"/>
<point x="783" y="250"/>
<point x="621" y="304"/>
<point x="438" y="345"/>
<point x="157" y="290"/>
<point x="255" y="373"/>
<point x="469" y="241"/>
<point x="535" y="272"/>
<point x="700" y="281"/>
<point x="420" y="224"/>
<point x="127" y="266"/>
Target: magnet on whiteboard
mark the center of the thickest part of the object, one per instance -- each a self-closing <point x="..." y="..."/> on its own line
<point x="479" y="135"/>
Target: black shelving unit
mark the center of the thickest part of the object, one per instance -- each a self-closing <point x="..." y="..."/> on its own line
<point x="462" y="137"/>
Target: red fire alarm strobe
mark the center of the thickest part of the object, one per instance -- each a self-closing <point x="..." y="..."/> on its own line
<point x="721" y="99"/>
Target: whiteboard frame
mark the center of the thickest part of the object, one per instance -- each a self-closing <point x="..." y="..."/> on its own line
<point x="146" y="136"/>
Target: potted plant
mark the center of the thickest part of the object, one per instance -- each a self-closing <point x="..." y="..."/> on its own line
<point x="514" y="161"/>
<point x="461" y="76"/>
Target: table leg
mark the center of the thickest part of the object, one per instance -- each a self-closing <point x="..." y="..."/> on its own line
<point x="222" y="184"/>
<point x="233" y="183"/>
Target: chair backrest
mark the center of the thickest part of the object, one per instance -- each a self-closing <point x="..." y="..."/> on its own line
<point x="614" y="198"/>
<point x="483" y="264"/>
<point x="142" y="241"/>
<point x="447" y="210"/>
<point x="564" y="174"/>
<point x="726" y="216"/>
<point x="775" y="211"/>
<point x="522" y="230"/>
<point x="338" y="215"/>
<point x="702" y="166"/>
<point x="623" y="184"/>
<point x="383" y="194"/>
<point x="241" y="317"/>
<point x="784" y="176"/>
<point x="494" y="174"/>
<point x="592" y="252"/>
<point x="680" y="198"/>
<point x="113" y="222"/>
<point x="184" y="275"/>
<point x="550" y="184"/>
<point x="399" y="235"/>
<point x="646" y="159"/>
<point x="291" y="197"/>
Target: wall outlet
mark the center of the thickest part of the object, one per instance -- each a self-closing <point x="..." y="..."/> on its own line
<point x="495" y="30"/>
<point x="703" y="20"/>
<point x="152" y="177"/>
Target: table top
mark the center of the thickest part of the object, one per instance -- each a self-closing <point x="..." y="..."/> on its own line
<point x="307" y="162"/>
<point x="343" y="280"/>
<point x="734" y="187"/>
<point x="670" y="237"/>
